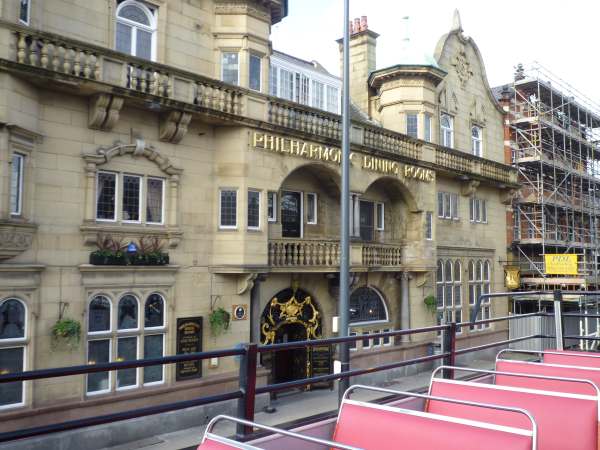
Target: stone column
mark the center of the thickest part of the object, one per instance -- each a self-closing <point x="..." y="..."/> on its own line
<point x="255" y="310"/>
<point x="90" y="188"/>
<point x="404" y="305"/>
<point x="173" y="198"/>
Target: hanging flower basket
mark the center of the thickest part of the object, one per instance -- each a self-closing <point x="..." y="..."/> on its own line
<point x="66" y="333"/>
<point x="219" y="321"/>
<point x="430" y="303"/>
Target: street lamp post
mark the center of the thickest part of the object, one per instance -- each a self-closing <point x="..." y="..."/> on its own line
<point x="345" y="206"/>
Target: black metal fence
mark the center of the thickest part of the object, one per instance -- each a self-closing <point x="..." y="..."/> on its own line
<point x="247" y="389"/>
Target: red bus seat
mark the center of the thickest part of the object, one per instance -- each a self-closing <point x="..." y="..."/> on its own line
<point x="557" y="430"/>
<point x="571" y="358"/>
<point x="379" y="427"/>
<point x="209" y="443"/>
<point x="551" y="370"/>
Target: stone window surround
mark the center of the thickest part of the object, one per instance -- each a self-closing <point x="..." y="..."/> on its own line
<point x="95" y="162"/>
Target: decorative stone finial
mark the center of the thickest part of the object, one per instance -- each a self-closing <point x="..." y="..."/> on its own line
<point x="456" y="23"/>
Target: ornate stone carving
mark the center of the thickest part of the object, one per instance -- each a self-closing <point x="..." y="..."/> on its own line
<point x="174" y="126"/>
<point x="507" y="196"/>
<point x="15" y="239"/>
<point x="104" y="111"/>
<point x="246" y="282"/>
<point x="463" y="68"/>
<point x="477" y="112"/>
<point x="103" y="155"/>
<point x="469" y="187"/>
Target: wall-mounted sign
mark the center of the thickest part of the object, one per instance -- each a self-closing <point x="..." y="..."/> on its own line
<point x="189" y="340"/>
<point x="321" y="363"/>
<point x="561" y="264"/>
<point x="239" y="312"/>
<point x="512" y="277"/>
<point x="308" y="150"/>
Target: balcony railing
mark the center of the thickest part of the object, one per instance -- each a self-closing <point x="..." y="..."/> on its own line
<point x="308" y="253"/>
<point x="58" y="56"/>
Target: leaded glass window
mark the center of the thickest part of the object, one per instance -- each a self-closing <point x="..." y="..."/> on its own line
<point x="131" y="198"/>
<point x="367" y="305"/>
<point x="106" y="196"/>
<point x="228" y="209"/>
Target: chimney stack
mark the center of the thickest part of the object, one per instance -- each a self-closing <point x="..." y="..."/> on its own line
<point x="363" y="48"/>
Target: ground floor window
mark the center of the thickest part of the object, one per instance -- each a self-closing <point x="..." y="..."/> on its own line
<point x="135" y="330"/>
<point x="13" y="325"/>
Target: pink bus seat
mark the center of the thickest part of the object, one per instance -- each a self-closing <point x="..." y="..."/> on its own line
<point x="571" y="358"/>
<point x="210" y="443"/>
<point x="379" y="427"/>
<point x="550" y="370"/>
<point x="557" y="429"/>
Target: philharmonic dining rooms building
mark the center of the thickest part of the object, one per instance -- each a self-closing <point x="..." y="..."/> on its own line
<point x="159" y="174"/>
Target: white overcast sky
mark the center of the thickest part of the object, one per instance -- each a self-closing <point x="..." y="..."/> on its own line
<point x="561" y="35"/>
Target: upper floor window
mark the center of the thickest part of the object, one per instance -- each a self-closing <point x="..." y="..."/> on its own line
<point x="429" y="225"/>
<point x="136" y="29"/>
<point x="24" y="11"/>
<point x="427" y="127"/>
<point x="333" y="99"/>
<point x="253" y="210"/>
<point x="367" y="305"/>
<point x="447" y="205"/>
<point x="272" y="206"/>
<point x="255" y="73"/>
<point x="478" y="210"/>
<point x="16" y="184"/>
<point x="13" y="327"/>
<point x="477" y="141"/>
<point x="136" y="330"/>
<point x="273" y="80"/>
<point x="230" y="67"/>
<point x="412" y="125"/>
<point x="122" y="197"/>
<point x="286" y="85"/>
<point x="447" y="130"/>
<point x="311" y="208"/>
<point x="227" y="208"/>
<point x="318" y="95"/>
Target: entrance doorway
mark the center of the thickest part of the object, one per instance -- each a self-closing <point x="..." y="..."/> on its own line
<point x="290" y="365"/>
<point x="291" y="214"/>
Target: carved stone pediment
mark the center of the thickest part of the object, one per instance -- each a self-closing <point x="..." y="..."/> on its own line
<point x="172" y="236"/>
<point x="15" y="238"/>
<point x="104" y="111"/>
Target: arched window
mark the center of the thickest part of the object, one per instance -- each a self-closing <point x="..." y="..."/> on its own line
<point x="136" y="29"/>
<point x="449" y="296"/>
<point x="447" y="130"/>
<point x="477" y="140"/>
<point x="13" y="332"/>
<point x="367" y="305"/>
<point x="121" y="337"/>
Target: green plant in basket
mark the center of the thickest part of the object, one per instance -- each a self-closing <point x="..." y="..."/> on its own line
<point x="66" y="333"/>
<point x="219" y="321"/>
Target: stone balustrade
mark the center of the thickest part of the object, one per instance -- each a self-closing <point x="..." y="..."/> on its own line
<point x="309" y="253"/>
<point x="70" y="58"/>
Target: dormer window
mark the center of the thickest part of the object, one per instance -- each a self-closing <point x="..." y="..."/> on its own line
<point x="136" y="29"/>
<point x="447" y="130"/>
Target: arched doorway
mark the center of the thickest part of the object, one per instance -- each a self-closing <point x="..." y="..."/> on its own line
<point x="291" y="315"/>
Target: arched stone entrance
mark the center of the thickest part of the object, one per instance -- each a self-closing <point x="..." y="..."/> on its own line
<point x="291" y="315"/>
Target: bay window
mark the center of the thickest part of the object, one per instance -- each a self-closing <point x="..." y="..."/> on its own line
<point x="253" y="209"/>
<point x="427" y="127"/>
<point x="412" y="125"/>
<point x="24" y="11"/>
<point x="16" y="184"/>
<point x="333" y="99"/>
<point x="318" y="95"/>
<point x="227" y="208"/>
<point x="230" y="70"/>
<point x="255" y="73"/>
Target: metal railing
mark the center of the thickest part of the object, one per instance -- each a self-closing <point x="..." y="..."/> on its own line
<point x="247" y="389"/>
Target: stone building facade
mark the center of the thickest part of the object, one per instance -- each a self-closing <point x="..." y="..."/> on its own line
<point x="144" y="121"/>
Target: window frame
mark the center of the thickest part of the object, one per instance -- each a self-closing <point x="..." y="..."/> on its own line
<point x="18" y="343"/>
<point x="21" y="157"/>
<point x="428" y="225"/>
<point x="427" y="122"/>
<point x="369" y="340"/>
<point x="110" y="315"/>
<point x="272" y="216"/>
<point x="315" y="208"/>
<point x="117" y="196"/>
<point x="162" y="201"/>
<point x="256" y="56"/>
<point x="248" y="226"/>
<point x="110" y="340"/>
<point x="139" y="310"/>
<point x="223" y="53"/>
<point x="372" y="322"/>
<point x="314" y="88"/>
<point x="415" y="116"/>
<point x="140" y="197"/>
<point x="228" y="227"/>
<point x="163" y="366"/>
<point x="447" y="131"/>
<point x="137" y="356"/>
<point x="25" y="22"/>
<point x="330" y="105"/>
<point x="151" y="13"/>
<point x="477" y="142"/>
<point x="379" y="216"/>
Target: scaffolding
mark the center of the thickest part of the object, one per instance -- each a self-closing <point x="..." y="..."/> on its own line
<point x="555" y="145"/>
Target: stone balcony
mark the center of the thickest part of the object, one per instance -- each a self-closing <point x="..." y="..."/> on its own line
<point x="15" y="238"/>
<point x="110" y="79"/>
<point x="324" y="255"/>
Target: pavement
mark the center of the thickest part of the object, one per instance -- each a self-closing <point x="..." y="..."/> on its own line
<point x="289" y="407"/>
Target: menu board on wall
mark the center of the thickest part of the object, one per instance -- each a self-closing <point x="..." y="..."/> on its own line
<point x="189" y="340"/>
<point x="321" y="362"/>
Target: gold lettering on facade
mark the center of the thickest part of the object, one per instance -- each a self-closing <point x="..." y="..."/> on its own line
<point x="296" y="147"/>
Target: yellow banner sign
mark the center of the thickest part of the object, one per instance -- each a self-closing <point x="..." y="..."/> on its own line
<point x="308" y="150"/>
<point x="561" y="264"/>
